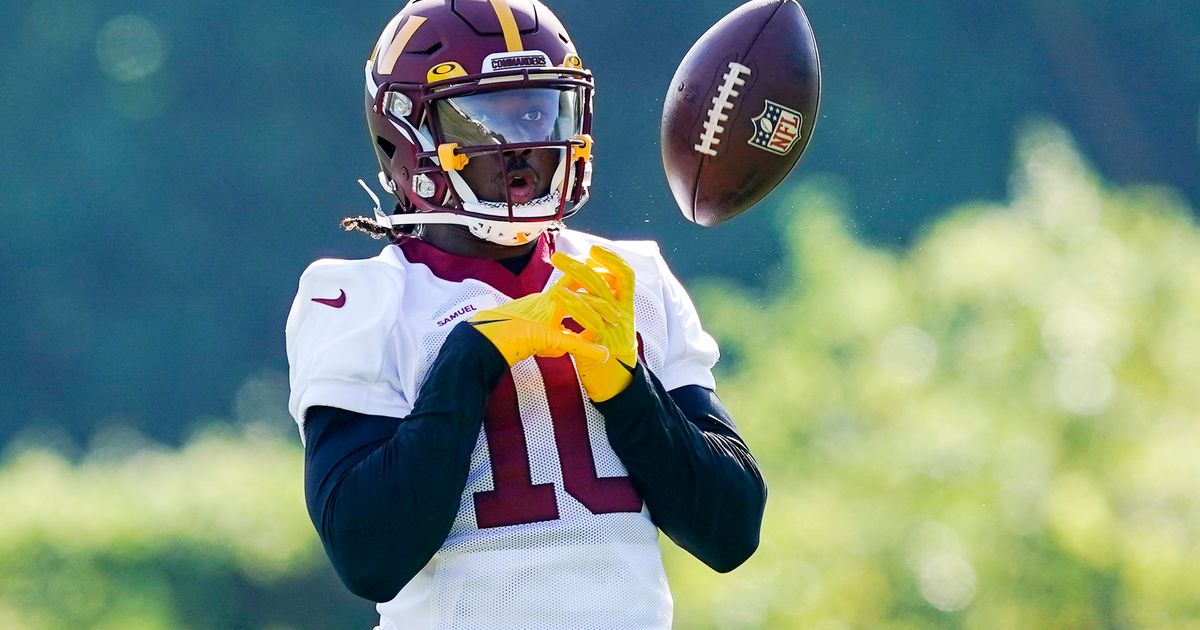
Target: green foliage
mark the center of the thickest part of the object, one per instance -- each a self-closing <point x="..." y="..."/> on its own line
<point x="170" y="168"/>
<point x="214" y="535"/>
<point x="995" y="429"/>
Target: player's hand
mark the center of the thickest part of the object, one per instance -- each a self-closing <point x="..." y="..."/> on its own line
<point x="531" y="326"/>
<point x="598" y="295"/>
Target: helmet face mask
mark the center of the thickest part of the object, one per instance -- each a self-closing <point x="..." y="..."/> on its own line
<point x="507" y="147"/>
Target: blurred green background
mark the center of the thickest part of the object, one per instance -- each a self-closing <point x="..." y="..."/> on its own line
<point x="962" y="339"/>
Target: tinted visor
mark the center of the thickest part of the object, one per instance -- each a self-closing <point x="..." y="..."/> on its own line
<point x="511" y="116"/>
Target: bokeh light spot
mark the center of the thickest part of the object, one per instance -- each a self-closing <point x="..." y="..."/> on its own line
<point x="908" y="355"/>
<point x="130" y="48"/>
<point x="1069" y="332"/>
<point x="935" y="554"/>
<point x="1083" y="387"/>
<point x="947" y="582"/>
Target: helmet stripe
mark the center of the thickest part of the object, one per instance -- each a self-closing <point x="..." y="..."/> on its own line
<point x="388" y="63"/>
<point x="386" y="37"/>
<point x="508" y="24"/>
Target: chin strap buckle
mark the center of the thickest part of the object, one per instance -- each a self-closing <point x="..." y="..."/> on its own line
<point x="451" y="161"/>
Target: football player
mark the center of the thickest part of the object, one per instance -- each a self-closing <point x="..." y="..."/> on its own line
<point x="500" y="414"/>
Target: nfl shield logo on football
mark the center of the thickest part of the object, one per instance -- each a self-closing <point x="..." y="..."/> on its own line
<point x="777" y="128"/>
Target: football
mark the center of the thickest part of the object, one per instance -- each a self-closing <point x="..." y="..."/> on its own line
<point x="740" y="111"/>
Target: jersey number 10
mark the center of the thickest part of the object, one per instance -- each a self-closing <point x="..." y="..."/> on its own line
<point x="515" y="499"/>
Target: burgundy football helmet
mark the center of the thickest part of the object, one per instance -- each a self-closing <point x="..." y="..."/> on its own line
<point x="451" y="81"/>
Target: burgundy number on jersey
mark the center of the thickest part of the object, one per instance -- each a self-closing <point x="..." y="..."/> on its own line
<point x="516" y="499"/>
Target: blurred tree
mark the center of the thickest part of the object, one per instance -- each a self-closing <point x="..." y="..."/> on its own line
<point x="171" y="167"/>
<point x="996" y="428"/>
<point x="212" y="536"/>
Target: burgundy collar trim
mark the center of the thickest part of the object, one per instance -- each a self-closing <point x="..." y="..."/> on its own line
<point x="456" y="268"/>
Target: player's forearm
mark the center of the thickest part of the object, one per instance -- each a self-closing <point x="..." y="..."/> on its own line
<point x="697" y="476"/>
<point x="383" y="492"/>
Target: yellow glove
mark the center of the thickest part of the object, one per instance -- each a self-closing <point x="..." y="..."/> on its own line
<point x="531" y="326"/>
<point x="601" y="300"/>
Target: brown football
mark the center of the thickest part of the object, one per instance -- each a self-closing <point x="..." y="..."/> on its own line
<point x="740" y="110"/>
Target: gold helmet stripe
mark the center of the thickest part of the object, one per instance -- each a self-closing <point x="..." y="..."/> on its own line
<point x="508" y="24"/>
<point x="388" y="63"/>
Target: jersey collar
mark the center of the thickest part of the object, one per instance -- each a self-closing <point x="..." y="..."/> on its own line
<point x="455" y="268"/>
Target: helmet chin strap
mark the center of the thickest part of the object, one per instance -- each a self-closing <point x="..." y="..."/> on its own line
<point x="499" y="232"/>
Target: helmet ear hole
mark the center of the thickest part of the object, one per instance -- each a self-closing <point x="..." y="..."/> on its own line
<point x="387" y="147"/>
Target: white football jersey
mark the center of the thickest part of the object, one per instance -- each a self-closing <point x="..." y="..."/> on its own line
<point x="550" y="532"/>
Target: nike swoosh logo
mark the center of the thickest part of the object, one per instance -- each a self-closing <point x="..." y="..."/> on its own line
<point x="337" y="302"/>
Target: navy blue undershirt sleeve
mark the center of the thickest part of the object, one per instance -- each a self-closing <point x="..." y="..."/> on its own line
<point x="384" y="492"/>
<point x="701" y="484"/>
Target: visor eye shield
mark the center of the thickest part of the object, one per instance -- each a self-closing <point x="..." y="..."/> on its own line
<point x="521" y="116"/>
